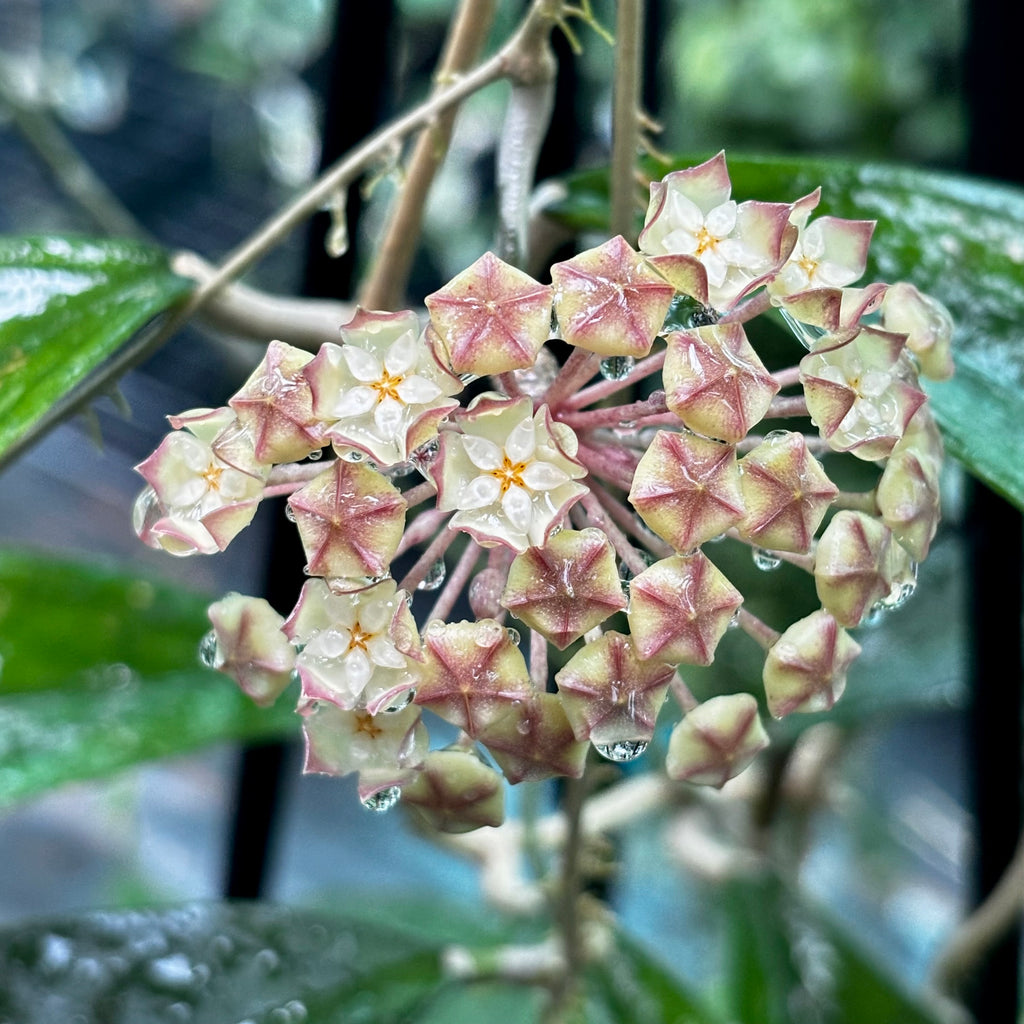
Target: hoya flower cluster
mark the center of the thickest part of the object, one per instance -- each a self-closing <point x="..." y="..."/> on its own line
<point x="485" y="504"/>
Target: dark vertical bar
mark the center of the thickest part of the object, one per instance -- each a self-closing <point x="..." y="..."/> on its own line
<point x="355" y="87"/>
<point x="995" y="546"/>
<point x="352" y="102"/>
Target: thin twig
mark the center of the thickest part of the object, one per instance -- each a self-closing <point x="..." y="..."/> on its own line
<point x="385" y="286"/>
<point x="982" y="929"/>
<point x="625" y="116"/>
<point x="515" y="61"/>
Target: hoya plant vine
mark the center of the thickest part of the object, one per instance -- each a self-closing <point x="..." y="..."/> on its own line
<point x="483" y="505"/>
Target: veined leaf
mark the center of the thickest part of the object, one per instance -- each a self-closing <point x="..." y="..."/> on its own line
<point x="66" y="305"/>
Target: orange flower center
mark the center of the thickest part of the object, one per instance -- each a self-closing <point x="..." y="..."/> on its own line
<point x="705" y="241"/>
<point x="808" y="266"/>
<point x="212" y="476"/>
<point x="366" y="725"/>
<point x="358" y="637"/>
<point x="509" y="474"/>
<point x="387" y="386"/>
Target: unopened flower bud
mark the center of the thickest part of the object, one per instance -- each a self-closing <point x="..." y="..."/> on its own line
<point x="927" y="324"/>
<point x="490" y="318"/>
<point x="609" y="301"/>
<point x="251" y="646"/>
<point x="855" y="565"/>
<point x="455" y="791"/>
<point x="805" y="669"/>
<point x="716" y="740"/>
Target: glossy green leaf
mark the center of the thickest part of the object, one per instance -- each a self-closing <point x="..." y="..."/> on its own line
<point x="66" y="305"/>
<point x="632" y="987"/>
<point x="94" y="675"/>
<point x="214" y="963"/>
<point x="787" y="963"/>
<point x="211" y="964"/>
<point x="959" y="239"/>
<point x="761" y="975"/>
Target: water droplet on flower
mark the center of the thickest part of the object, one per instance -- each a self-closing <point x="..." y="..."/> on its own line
<point x="765" y="560"/>
<point x="400" y="703"/>
<point x="900" y="593"/>
<point x="513" y="635"/>
<point x="352" y="455"/>
<point x="616" y="367"/>
<point x="468" y="378"/>
<point x="383" y="800"/>
<point x="734" y="621"/>
<point x="295" y="677"/>
<point x="306" y="571"/>
<point x="423" y="457"/>
<point x="289" y="513"/>
<point x="399" y="469"/>
<point x="775" y="435"/>
<point x="621" y="750"/>
<point x="315" y="454"/>
<point x="434" y="577"/>
<point x="208" y="650"/>
<point x="535" y="380"/>
<point x="487" y="634"/>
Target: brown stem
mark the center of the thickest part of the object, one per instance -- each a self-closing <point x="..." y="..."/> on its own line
<point x="385" y="286"/>
<point x="982" y="929"/>
<point x="625" y="116"/>
<point x="245" y="312"/>
<point x="516" y="61"/>
<point x="565" y="988"/>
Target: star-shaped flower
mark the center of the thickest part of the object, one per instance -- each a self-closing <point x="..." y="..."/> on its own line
<point x="350" y="519"/>
<point x="491" y="318"/>
<point x="357" y="648"/>
<point x="687" y="489"/>
<point x="715" y="382"/>
<point x="386" y="750"/>
<point x="830" y="252"/>
<point x="507" y="472"/>
<point x="609" y="301"/>
<point x="693" y="229"/>
<point x="205" y="483"/>
<point x="382" y="391"/>
<point x="567" y="587"/>
<point x="861" y="392"/>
